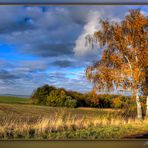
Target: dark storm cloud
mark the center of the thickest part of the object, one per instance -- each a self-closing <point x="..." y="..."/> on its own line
<point x="22" y="25"/>
<point x="6" y="75"/>
<point x="71" y="62"/>
<point x="51" y="50"/>
<point x="37" y="32"/>
<point x="22" y="18"/>
<point x="48" y="32"/>
<point x="14" y="19"/>
<point x="63" y="63"/>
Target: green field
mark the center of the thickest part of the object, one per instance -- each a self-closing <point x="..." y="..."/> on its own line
<point x="21" y="120"/>
<point x="14" y="100"/>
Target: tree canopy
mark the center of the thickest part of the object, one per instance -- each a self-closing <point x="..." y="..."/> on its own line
<point x="124" y="57"/>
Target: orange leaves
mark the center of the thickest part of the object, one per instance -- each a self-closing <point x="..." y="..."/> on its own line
<point x="125" y="55"/>
<point x="117" y="102"/>
<point x="126" y="71"/>
<point x="89" y="73"/>
<point x="116" y="59"/>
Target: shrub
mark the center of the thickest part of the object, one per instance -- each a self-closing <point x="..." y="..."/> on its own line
<point x="79" y="97"/>
<point x="40" y="94"/>
<point x="56" y="98"/>
<point x="70" y="103"/>
<point x="105" y="100"/>
<point x="52" y="96"/>
<point x="117" y="102"/>
<point x="59" y="98"/>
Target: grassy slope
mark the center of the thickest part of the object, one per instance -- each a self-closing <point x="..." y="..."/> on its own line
<point x="19" y="119"/>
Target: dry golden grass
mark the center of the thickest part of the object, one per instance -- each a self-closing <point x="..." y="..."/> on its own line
<point x="51" y="123"/>
<point x="15" y="127"/>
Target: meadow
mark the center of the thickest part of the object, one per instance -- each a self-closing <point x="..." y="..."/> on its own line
<point x="21" y="120"/>
<point x="14" y="100"/>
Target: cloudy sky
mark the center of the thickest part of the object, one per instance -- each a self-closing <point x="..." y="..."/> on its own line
<point x="46" y="45"/>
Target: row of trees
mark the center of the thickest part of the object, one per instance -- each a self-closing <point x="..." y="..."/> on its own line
<point x="124" y="60"/>
<point x="52" y="96"/>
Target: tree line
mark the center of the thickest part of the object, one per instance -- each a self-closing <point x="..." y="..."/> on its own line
<point x="60" y="97"/>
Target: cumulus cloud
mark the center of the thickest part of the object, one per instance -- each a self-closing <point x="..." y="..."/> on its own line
<point x="90" y="27"/>
<point x="93" y="24"/>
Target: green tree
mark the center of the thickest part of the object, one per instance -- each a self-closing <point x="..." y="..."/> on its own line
<point x="60" y="98"/>
<point x="39" y="96"/>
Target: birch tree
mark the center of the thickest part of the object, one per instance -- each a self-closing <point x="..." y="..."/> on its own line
<point x="124" y="57"/>
<point x="145" y="90"/>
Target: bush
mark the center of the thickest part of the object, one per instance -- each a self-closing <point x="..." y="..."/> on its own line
<point x="117" y="102"/>
<point x="79" y="97"/>
<point x="71" y="103"/>
<point x="56" y="98"/>
<point x="105" y="100"/>
<point x="40" y="95"/>
<point x="59" y="98"/>
<point x="52" y="96"/>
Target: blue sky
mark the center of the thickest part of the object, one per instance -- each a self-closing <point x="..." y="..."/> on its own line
<point x="46" y="45"/>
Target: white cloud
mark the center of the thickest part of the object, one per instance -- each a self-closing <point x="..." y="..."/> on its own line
<point x="91" y="26"/>
<point x="113" y="13"/>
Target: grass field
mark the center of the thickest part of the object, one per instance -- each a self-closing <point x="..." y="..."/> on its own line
<point x="14" y="100"/>
<point x="21" y="120"/>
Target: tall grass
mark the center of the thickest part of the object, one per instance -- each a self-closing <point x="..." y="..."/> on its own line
<point x="65" y="125"/>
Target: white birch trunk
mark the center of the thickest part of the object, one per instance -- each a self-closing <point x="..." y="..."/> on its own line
<point x="139" y="109"/>
<point x="146" y="115"/>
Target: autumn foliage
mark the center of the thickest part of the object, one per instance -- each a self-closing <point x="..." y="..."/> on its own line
<point x="124" y="57"/>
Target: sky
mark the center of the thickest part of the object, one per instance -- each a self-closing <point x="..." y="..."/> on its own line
<point x="46" y="45"/>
